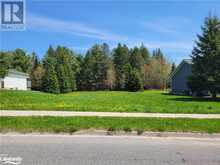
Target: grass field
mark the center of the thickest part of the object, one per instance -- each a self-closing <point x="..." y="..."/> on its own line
<point x="107" y="101"/>
<point x="72" y="124"/>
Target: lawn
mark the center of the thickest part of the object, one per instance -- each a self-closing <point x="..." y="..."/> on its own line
<point x="72" y="124"/>
<point x="108" y="101"/>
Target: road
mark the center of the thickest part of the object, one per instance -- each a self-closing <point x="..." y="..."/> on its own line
<point x="104" y="114"/>
<point x="109" y="150"/>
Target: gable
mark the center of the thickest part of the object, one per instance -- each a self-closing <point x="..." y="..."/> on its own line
<point x="183" y="65"/>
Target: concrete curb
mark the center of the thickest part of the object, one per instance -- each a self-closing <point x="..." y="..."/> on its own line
<point x="104" y="133"/>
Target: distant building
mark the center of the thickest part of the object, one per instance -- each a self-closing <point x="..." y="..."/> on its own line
<point x="180" y="77"/>
<point x="15" y="80"/>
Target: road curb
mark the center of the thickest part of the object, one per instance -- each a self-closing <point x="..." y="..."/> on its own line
<point x="104" y="133"/>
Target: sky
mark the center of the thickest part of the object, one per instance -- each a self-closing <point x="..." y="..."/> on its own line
<point x="170" y="25"/>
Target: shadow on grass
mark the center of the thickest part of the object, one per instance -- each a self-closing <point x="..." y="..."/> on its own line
<point x="195" y="99"/>
<point x="167" y="94"/>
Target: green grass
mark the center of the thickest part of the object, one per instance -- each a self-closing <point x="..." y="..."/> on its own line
<point x="72" y="124"/>
<point x="108" y="101"/>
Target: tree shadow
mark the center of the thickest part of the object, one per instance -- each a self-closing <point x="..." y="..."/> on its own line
<point x="196" y="99"/>
<point x="168" y="94"/>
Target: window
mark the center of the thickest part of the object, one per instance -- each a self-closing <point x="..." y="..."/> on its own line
<point x="2" y="84"/>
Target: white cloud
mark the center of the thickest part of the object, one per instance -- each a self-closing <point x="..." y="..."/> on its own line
<point x="167" y="25"/>
<point x="40" y="23"/>
<point x="171" y="45"/>
<point x="168" y="45"/>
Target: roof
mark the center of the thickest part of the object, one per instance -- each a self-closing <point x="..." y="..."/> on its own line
<point x="14" y="71"/>
<point x="185" y="61"/>
<point x="188" y="61"/>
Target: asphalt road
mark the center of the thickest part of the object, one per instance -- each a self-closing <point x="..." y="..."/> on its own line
<point x="108" y="150"/>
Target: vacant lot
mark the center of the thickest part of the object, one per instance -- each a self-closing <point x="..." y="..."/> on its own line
<point x="72" y="124"/>
<point x="105" y="101"/>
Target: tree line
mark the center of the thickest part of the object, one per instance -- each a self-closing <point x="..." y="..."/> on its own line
<point x="61" y="70"/>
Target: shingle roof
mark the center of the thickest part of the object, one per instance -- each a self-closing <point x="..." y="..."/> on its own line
<point x="14" y="71"/>
<point x="187" y="61"/>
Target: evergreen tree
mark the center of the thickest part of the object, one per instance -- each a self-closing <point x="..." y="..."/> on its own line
<point x="63" y="69"/>
<point x="122" y="65"/>
<point x="134" y="81"/>
<point x="206" y="59"/>
<point x="50" y="80"/>
<point x="94" y="69"/>
<point x="173" y="67"/>
<point x="137" y="60"/>
<point x="145" y="53"/>
<point x="158" y="54"/>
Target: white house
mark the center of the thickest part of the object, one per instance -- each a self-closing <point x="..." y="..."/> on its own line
<point x="15" y="80"/>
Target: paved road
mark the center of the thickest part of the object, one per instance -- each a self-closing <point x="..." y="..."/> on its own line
<point x="105" y="114"/>
<point x="109" y="150"/>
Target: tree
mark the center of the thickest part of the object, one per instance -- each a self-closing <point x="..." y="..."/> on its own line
<point x="158" y="54"/>
<point x="63" y="68"/>
<point x="36" y="74"/>
<point x="37" y="78"/>
<point x="121" y="64"/>
<point x="21" y="61"/>
<point x="137" y="61"/>
<point x="145" y="53"/>
<point x="50" y="80"/>
<point x="134" y="81"/>
<point x="156" y="74"/>
<point x="206" y="59"/>
<point x="94" y="69"/>
<point x="173" y="67"/>
<point x="4" y="64"/>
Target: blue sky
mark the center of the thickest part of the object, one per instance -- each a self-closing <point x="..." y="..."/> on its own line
<point x="169" y="25"/>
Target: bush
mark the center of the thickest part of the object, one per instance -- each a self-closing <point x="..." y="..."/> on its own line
<point x="71" y="130"/>
<point x="111" y="129"/>
<point x="140" y="131"/>
<point x="127" y="129"/>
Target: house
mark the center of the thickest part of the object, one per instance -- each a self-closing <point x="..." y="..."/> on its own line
<point x="15" y="80"/>
<point x="180" y="76"/>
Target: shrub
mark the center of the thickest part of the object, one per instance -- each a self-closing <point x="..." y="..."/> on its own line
<point x="127" y="129"/>
<point x="140" y="131"/>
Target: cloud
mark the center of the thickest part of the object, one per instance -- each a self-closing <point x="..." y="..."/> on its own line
<point x="167" y="25"/>
<point x="181" y="45"/>
<point x="176" y="45"/>
<point x="39" y="23"/>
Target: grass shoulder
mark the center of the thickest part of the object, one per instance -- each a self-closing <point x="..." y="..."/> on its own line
<point x="72" y="124"/>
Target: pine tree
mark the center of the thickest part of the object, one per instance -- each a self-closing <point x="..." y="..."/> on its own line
<point x="158" y="54"/>
<point x="94" y="69"/>
<point x="122" y="65"/>
<point x="50" y="81"/>
<point x="206" y="59"/>
<point x="173" y="67"/>
<point x="145" y="53"/>
<point x="137" y="60"/>
<point x="134" y="82"/>
<point x="63" y="69"/>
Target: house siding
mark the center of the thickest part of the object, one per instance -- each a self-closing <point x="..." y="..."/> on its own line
<point x="179" y="80"/>
<point x="14" y="81"/>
